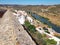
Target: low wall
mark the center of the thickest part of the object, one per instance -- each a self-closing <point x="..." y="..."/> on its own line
<point x="12" y="32"/>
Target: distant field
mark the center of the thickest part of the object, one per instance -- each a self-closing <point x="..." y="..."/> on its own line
<point x="52" y="12"/>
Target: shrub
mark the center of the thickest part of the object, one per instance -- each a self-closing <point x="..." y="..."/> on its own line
<point x="27" y="23"/>
<point x="39" y="36"/>
<point x="30" y="27"/>
<point x="51" y="41"/>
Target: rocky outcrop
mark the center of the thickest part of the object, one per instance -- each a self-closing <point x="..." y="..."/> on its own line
<point x="12" y="32"/>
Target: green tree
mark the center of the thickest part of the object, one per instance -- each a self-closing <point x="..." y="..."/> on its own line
<point x="51" y="42"/>
<point x="29" y="26"/>
<point x="27" y="23"/>
<point x="32" y="28"/>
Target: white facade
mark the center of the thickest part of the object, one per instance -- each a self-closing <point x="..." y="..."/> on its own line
<point x="21" y="19"/>
<point x="30" y="19"/>
<point x="21" y="15"/>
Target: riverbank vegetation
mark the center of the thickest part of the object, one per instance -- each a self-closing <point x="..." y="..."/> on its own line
<point x="40" y="39"/>
<point x="30" y="27"/>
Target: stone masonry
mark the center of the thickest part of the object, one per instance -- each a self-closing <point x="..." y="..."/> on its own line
<point x="12" y="32"/>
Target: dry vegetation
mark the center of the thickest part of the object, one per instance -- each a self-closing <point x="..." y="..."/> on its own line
<point x="50" y="12"/>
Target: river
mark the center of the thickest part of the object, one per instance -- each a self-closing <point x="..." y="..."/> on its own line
<point x="43" y="20"/>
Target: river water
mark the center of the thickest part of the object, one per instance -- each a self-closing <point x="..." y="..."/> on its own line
<point x="43" y="20"/>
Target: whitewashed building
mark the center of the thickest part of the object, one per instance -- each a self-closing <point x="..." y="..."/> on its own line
<point x="30" y="19"/>
<point x="22" y="16"/>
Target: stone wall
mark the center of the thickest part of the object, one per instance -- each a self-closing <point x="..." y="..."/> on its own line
<point x="12" y="32"/>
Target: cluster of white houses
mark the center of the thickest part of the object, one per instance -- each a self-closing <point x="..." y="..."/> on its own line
<point x="22" y="16"/>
